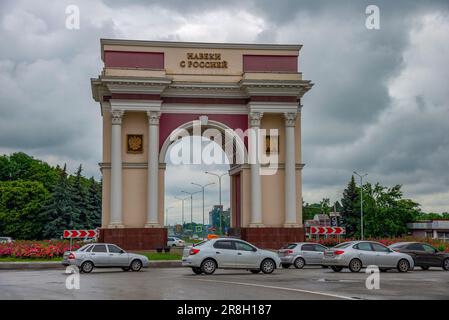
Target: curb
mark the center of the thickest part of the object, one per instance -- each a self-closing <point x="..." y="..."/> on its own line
<point x="57" y="265"/>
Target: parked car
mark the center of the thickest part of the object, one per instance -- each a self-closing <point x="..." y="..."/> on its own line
<point x="423" y="254"/>
<point x="301" y="253"/>
<point x="175" y="242"/>
<point x="6" y="240"/>
<point x="356" y="255"/>
<point x="226" y="253"/>
<point x="104" y="255"/>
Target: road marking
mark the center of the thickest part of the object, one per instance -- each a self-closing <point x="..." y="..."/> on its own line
<point x="278" y="288"/>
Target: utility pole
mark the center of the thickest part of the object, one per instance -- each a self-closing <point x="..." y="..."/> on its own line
<point x="202" y="188"/>
<point x="361" y="176"/>
<point x="219" y="176"/>
<point x="166" y="215"/>
<point x="182" y="200"/>
<point x="191" y="204"/>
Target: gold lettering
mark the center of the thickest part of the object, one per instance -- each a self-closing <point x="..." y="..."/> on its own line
<point x="189" y="55"/>
<point x="182" y="64"/>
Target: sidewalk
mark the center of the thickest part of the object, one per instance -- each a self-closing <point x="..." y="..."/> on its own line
<point x="57" y="265"/>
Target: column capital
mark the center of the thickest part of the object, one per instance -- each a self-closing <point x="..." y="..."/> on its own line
<point x="290" y="119"/>
<point x="153" y="117"/>
<point x="117" y="116"/>
<point x="255" y="118"/>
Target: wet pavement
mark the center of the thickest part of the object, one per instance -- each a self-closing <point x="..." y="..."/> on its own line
<point x="181" y="283"/>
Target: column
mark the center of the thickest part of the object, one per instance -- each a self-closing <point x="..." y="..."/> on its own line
<point x="116" y="170"/>
<point x="290" y="170"/>
<point x="256" y="181"/>
<point x="153" y="170"/>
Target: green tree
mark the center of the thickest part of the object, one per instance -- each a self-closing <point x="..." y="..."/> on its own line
<point x="349" y="212"/>
<point x="94" y="204"/>
<point x="21" y="204"/>
<point x="79" y="199"/>
<point x="58" y="210"/>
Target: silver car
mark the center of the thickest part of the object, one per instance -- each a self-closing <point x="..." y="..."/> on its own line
<point x="228" y="253"/>
<point x="104" y="255"/>
<point x="358" y="254"/>
<point x="301" y="253"/>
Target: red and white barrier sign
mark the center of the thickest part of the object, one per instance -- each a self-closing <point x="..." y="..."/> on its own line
<point x="80" y="233"/>
<point x="327" y="230"/>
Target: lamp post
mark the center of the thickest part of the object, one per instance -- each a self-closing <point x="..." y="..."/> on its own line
<point x="361" y="176"/>
<point x="191" y="203"/>
<point x="182" y="200"/>
<point x="166" y="215"/>
<point x="202" y="188"/>
<point x="219" y="176"/>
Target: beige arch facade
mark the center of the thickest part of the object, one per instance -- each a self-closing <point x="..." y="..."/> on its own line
<point x="144" y="92"/>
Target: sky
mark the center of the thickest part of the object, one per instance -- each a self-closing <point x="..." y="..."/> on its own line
<point x="380" y="104"/>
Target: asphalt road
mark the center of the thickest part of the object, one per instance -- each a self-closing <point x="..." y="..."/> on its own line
<point x="181" y="283"/>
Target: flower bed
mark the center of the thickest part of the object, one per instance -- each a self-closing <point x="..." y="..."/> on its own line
<point x="46" y="249"/>
<point x="333" y="241"/>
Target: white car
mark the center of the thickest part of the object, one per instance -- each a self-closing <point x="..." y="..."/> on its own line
<point x="175" y="242"/>
<point x="6" y="240"/>
<point x="227" y="253"/>
<point x="302" y="253"/>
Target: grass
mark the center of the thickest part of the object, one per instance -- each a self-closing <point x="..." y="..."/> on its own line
<point x="153" y="256"/>
<point x="14" y="259"/>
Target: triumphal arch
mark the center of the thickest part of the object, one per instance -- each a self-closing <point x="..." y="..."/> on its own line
<point x="153" y="93"/>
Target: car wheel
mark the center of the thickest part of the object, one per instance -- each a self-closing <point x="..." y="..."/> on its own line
<point x="255" y="271"/>
<point x="336" y="268"/>
<point x="267" y="266"/>
<point x="87" y="266"/>
<point x="446" y="264"/>
<point x="125" y="268"/>
<point x="425" y="267"/>
<point x="197" y="270"/>
<point x="208" y="266"/>
<point x="403" y="265"/>
<point x="136" y="265"/>
<point x="355" y="265"/>
<point x="299" y="263"/>
<point x="286" y="265"/>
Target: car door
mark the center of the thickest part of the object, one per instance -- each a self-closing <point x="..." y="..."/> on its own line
<point x="247" y="255"/>
<point x="382" y="256"/>
<point x="416" y="250"/>
<point x="117" y="256"/>
<point x="308" y="253"/>
<point x="431" y="256"/>
<point x="99" y="255"/>
<point x="319" y="253"/>
<point x="365" y="253"/>
<point x="225" y="254"/>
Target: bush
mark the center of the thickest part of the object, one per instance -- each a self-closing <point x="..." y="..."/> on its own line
<point x="46" y="249"/>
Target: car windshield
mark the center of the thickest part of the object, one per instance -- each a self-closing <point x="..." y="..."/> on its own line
<point x="397" y="245"/>
<point x="343" y="245"/>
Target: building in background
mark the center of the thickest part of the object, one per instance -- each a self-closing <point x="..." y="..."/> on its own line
<point x="436" y="229"/>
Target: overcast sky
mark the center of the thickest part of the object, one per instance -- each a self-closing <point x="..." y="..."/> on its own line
<point x="380" y="103"/>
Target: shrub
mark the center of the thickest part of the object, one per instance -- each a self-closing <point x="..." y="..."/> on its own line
<point x="37" y="249"/>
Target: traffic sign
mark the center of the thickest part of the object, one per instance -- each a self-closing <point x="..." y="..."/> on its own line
<point x="327" y="230"/>
<point x="199" y="228"/>
<point x="80" y="233"/>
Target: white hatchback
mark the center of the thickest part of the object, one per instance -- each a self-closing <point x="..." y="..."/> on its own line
<point x="175" y="242"/>
<point x="227" y="253"/>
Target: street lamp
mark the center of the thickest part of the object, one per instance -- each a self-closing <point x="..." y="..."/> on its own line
<point x="203" y="187"/>
<point x="219" y="176"/>
<point x="182" y="200"/>
<point x="191" y="203"/>
<point x="361" y="176"/>
<point x="166" y="215"/>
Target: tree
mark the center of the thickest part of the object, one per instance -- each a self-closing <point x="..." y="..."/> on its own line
<point x="94" y="204"/>
<point x="349" y="212"/>
<point x="21" y="204"/>
<point x="79" y="199"/>
<point x="58" y="210"/>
